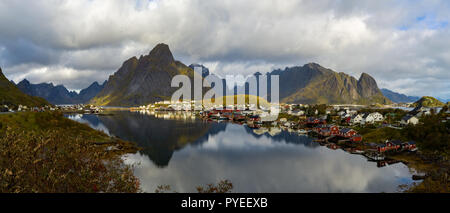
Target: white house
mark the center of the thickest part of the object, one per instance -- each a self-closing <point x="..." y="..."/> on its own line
<point x="356" y="119"/>
<point x="372" y="117"/>
<point x="420" y="111"/>
<point x="296" y="112"/>
<point x="409" y="119"/>
<point x="377" y="117"/>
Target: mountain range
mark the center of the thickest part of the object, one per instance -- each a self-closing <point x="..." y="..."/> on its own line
<point x="12" y="96"/>
<point x="147" y="79"/>
<point x="314" y="84"/>
<point x="399" y="98"/>
<point x="60" y="94"/>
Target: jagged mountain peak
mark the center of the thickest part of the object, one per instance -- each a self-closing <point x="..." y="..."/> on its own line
<point x="143" y="81"/>
<point x="365" y="76"/>
<point x="1" y="74"/>
<point x="59" y="94"/>
<point x="130" y="61"/>
<point x="317" y="67"/>
<point x="367" y="86"/>
<point x="162" y="53"/>
<point x="95" y="84"/>
<point x="25" y="82"/>
<point x="313" y="83"/>
<point x="313" y="65"/>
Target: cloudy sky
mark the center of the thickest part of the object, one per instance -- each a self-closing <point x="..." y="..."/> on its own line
<point x="404" y="44"/>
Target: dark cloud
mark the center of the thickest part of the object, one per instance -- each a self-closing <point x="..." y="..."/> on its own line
<point x="23" y="51"/>
<point x="401" y="43"/>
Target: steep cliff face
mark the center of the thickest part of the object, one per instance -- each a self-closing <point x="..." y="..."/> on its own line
<point x="11" y="95"/>
<point x="144" y="80"/>
<point x="313" y="84"/>
<point x="367" y="86"/>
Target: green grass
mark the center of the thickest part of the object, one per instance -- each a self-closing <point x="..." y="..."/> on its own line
<point x="380" y="135"/>
<point x="39" y="122"/>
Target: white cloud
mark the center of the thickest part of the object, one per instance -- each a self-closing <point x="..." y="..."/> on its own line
<point x="391" y="40"/>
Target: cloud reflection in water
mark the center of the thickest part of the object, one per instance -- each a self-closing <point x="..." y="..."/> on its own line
<point x="262" y="165"/>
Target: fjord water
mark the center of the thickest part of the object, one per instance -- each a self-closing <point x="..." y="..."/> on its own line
<point x="184" y="152"/>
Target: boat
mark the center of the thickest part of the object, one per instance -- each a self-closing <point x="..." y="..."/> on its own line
<point x="374" y="156"/>
<point x="223" y="118"/>
<point x="357" y="151"/>
<point x="239" y="118"/>
<point x="333" y="146"/>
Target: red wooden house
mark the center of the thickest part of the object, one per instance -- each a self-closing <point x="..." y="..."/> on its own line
<point x="347" y="133"/>
<point x="347" y="119"/>
<point x="357" y="138"/>
<point x="326" y="130"/>
<point x="254" y="118"/>
<point x="394" y="145"/>
<point x="315" y="121"/>
<point x="334" y="130"/>
<point x="410" y="146"/>
<point x="320" y="128"/>
<point x="381" y="148"/>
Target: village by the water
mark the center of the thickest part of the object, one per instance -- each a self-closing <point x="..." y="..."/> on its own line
<point x="333" y="126"/>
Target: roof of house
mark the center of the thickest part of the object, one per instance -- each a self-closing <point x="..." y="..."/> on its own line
<point x="345" y="130"/>
<point x="311" y="118"/>
<point x="323" y="126"/>
<point x="396" y="142"/>
<point x="407" y="117"/>
<point x="366" y="115"/>
<point x="354" y="116"/>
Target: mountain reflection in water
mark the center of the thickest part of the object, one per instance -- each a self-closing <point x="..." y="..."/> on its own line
<point x="187" y="152"/>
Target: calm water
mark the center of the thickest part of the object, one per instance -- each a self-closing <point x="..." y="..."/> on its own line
<point x="185" y="152"/>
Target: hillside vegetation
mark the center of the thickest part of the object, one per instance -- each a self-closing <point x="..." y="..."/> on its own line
<point x="428" y="101"/>
<point x="10" y="95"/>
<point x="45" y="152"/>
